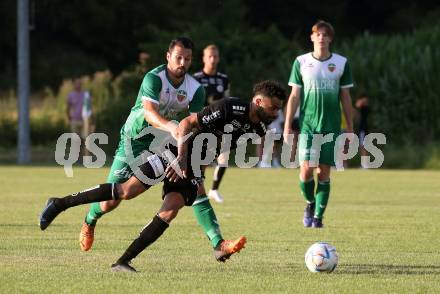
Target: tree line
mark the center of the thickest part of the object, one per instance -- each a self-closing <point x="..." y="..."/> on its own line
<point x="69" y="38"/>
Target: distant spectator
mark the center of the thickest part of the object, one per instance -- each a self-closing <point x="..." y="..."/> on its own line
<point x="363" y="110"/>
<point x="79" y="110"/>
<point x="346" y="143"/>
<point x="270" y="158"/>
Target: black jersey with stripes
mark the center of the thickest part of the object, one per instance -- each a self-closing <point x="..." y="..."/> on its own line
<point x="229" y="116"/>
<point x="225" y="116"/>
<point x="216" y="86"/>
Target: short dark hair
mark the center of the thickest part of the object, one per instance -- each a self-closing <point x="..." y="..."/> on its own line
<point x="270" y="89"/>
<point x="183" y="41"/>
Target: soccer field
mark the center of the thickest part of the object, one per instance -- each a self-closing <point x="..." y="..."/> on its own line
<point x="384" y="225"/>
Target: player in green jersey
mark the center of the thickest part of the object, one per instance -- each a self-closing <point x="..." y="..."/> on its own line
<point x="167" y="95"/>
<point x="321" y="82"/>
<point x="227" y="120"/>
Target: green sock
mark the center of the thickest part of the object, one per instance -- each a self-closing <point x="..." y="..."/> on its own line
<point x="206" y="218"/>
<point x="322" y="195"/>
<point x="94" y="213"/>
<point x="308" y="190"/>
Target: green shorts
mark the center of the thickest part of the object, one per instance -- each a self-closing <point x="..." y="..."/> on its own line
<point x="121" y="169"/>
<point x="316" y="151"/>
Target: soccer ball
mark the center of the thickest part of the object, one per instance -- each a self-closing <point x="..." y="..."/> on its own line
<point x="321" y="257"/>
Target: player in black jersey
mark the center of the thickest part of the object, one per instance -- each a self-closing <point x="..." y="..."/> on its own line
<point x="227" y="117"/>
<point x="215" y="82"/>
<point x="216" y="86"/>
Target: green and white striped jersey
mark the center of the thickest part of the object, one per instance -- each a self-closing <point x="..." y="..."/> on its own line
<point x="175" y="103"/>
<point x="320" y="82"/>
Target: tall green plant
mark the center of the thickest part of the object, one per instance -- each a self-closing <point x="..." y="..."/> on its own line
<point x="400" y="74"/>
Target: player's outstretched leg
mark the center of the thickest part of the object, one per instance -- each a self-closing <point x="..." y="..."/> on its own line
<point x="228" y="247"/>
<point x="173" y="202"/>
<point x="97" y="209"/>
<point x="49" y="213"/>
<point x="55" y="206"/>
<point x="119" y="173"/>
<point x="123" y="267"/>
<point x="86" y="236"/>
<point x="207" y="219"/>
<point x="146" y="237"/>
<point x="205" y="215"/>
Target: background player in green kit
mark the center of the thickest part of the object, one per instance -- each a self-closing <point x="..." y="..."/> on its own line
<point x="167" y="94"/>
<point x="321" y="82"/>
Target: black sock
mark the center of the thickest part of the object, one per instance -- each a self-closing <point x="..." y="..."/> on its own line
<point x="99" y="193"/>
<point x="147" y="236"/>
<point x="218" y="175"/>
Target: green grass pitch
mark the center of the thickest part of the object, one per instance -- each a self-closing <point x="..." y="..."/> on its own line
<point x="384" y="224"/>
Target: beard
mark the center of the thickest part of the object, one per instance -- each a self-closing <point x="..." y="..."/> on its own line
<point x="263" y="116"/>
<point x="179" y="72"/>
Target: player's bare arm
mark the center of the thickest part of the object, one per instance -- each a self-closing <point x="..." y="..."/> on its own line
<point x="182" y="132"/>
<point x="154" y="118"/>
<point x="347" y="108"/>
<point x="292" y="105"/>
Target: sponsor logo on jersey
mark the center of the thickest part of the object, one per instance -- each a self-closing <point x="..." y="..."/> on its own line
<point x="181" y="95"/>
<point x="237" y="125"/>
<point x="320" y="84"/>
<point x="238" y="107"/>
<point x="207" y="118"/>
<point x="331" y="67"/>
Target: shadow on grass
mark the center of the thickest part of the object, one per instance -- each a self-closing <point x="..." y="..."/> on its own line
<point x="370" y="269"/>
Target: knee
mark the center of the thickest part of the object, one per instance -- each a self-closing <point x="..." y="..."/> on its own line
<point x="168" y="215"/>
<point x="109" y="205"/>
<point x="323" y="174"/>
<point x="323" y="177"/>
<point x="306" y="172"/>
<point x="126" y="192"/>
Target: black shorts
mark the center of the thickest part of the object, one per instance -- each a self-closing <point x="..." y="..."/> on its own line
<point x="187" y="187"/>
<point x="154" y="168"/>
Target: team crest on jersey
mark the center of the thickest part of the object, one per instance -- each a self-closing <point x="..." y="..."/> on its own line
<point x="331" y="67"/>
<point x="181" y="95"/>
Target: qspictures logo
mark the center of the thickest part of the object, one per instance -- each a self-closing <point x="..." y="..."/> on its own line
<point x="344" y="147"/>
